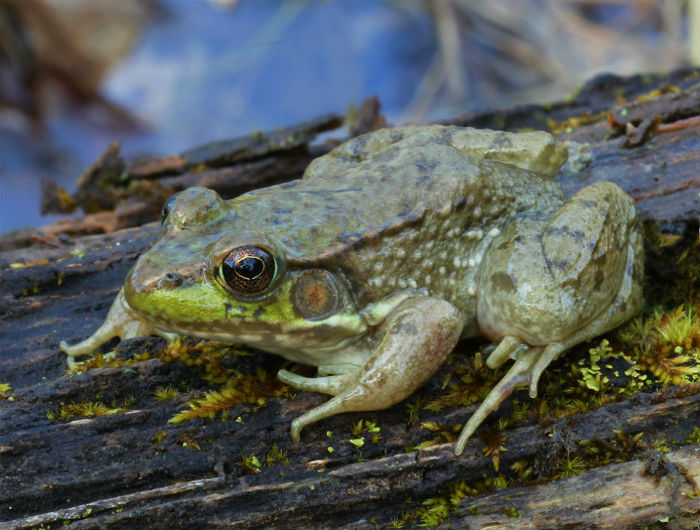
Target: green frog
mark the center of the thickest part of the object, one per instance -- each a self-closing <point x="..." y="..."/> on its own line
<point x="390" y="249"/>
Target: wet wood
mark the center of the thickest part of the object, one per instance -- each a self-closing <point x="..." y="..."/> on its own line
<point x="135" y="470"/>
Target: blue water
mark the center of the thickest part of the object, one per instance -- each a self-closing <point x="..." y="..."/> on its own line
<point x="201" y="73"/>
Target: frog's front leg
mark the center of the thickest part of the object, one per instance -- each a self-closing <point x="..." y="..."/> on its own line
<point x="417" y="337"/>
<point x="119" y="323"/>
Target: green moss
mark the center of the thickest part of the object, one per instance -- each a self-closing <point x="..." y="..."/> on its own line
<point x="205" y="356"/>
<point x="241" y="388"/>
<point x="511" y="512"/>
<point x="107" y="360"/>
<point x="166" y="393"/>
<point x="694" y="437"/>
<point x="86" y="409"/>
<point x="365" y="427"/>
<point x="250" y="463"/>
<point x="665" y="344"/>
<point x="435" y="509"/>
<point x="571" y="466"/>
<point x="276" y="456"/>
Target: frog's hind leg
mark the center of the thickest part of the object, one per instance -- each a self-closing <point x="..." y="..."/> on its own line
<point x="416" y="338"/>
<point x="553" y="279"/>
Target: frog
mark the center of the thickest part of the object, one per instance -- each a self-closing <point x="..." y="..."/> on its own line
<point x="390" y="249"/>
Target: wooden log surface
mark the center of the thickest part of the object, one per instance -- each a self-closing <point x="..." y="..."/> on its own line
<point x="133" y="469"/>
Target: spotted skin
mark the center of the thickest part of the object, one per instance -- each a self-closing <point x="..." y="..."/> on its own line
<point x="392" y="247"/>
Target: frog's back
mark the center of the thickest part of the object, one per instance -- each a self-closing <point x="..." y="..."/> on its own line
<point x="403" y="208"/>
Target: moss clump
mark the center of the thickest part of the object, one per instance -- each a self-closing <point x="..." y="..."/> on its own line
<point x="5" y="390"/>
<point x="166" y="393"/>
<point x="435" y="509"/>
<point x="86" y="409"/>
<point x="666" y="344"/>
<point x="276" y="456"/>
<point x="102" y="360"/>
<point x="250" y="463"/>
<point x="573" y="123"/>
<point x="207" y="357"/>
<point x="239" y="389"/>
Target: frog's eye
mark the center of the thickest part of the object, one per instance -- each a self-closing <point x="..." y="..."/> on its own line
<point x="166" y="208"/>
<point x="247" y="270"/>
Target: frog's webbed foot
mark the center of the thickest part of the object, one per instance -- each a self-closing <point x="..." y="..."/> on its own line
<point x="529" y="364"/>
<point x="119" y="323"/>
<point x="417" y="337"/>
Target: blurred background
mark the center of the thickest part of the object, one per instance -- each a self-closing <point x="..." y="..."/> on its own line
<point x="163" y="76"/>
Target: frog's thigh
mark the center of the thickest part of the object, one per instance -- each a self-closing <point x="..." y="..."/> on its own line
<point x="418" y="336"/>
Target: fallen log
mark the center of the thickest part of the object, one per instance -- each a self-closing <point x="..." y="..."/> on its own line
<point x="96" y="449"/>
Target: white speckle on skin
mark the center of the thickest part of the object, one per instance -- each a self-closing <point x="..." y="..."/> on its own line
<point x="378" y="266"/>
<point x="476" y="213"/>
<point x="417" y="255"/>
<point x="427" y="279"/>
<point x="494" y="232"/>
<point x="456" y="261"/>
<point x="443" y="255"/>
<point x="375" y="282"/>
<point x="400" y="252"/>
<point x="442" y="270"/>
<point x="428" y="245"/>
<point x="402" y="283"/>
<point x="412" y="283"/>
<point x="471" y="291"/>
<point x="472" y="262"/>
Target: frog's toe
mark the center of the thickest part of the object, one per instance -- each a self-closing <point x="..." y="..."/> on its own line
<point x="332" y="384"/>
<point x="508" y="348"/>
<point x="119" y="323"/>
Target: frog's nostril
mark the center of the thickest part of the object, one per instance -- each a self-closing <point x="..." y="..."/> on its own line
<point x="171" y="280"/>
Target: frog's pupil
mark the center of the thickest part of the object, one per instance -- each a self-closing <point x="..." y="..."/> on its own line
<point x="249" y="267"/>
